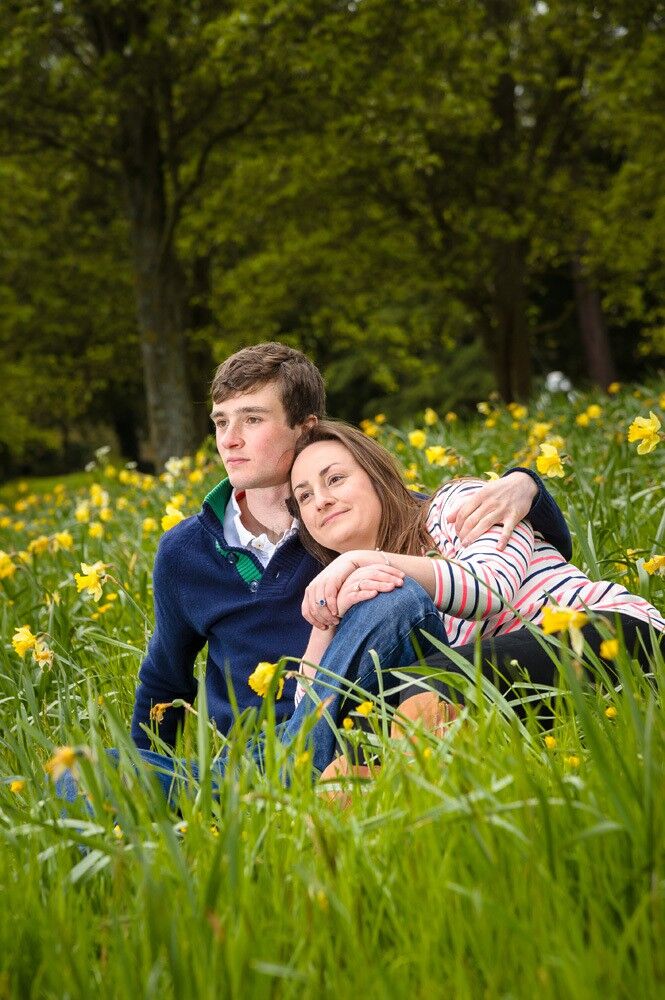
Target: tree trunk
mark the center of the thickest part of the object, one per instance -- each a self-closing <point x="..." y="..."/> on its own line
<point x="161" y="294"/>
<point x="600" y="364"/>
<point x="509" y="341"/>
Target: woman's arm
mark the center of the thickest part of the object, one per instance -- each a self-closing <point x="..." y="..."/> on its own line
<point x="477" y="580"/>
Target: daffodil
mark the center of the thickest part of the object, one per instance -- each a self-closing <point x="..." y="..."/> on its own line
<point x="594" y="411"/>
<point x="613" y="388"/>
<point x="82" y="512"/>
<point x="96" y="529"/>
<point x="23" y="640"/>
<point x="655" y="565"/>
<point x="62" y="540"/>
<point x="450" y="417"/>
<point x="430" y="417"/>
<point x="149" y="524"/>
<point x="16" y="786"/>
<point x="582" y="419"/>
<point x="369" y="428"/>
<point x="91" y="579"/>
<point x="418" y="438"/>
<point x="38" y="545"/>
<point x="609" y="649"/>
<point x="611" y="712"/>
<point x="365" y="708"/>
<point x="62" y="760"/>
<point x="572" y="760"/>
<point x="645" y="430"/>
<point x="41" y="654"/>
<point x="550" y="742"/>
<point x="380" y="418"/>
<point x="7" y="567"/>
<point x="172" y="517"/>
<point x="347" y="723"/>
<point x="436" y="455"/>
<point x="261" y="678"/>
<point x="549" y="461"/>
<point x="570" y="620"/>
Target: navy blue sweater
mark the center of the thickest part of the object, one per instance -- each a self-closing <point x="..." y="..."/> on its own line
<point x="207" y="592"/>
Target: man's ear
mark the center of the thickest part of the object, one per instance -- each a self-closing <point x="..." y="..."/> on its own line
<point x="309" y="422"/>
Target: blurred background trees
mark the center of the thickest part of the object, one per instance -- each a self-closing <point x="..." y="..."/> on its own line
<point x="433" y="199"/>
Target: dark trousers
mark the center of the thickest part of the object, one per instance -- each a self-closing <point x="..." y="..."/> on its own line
<point x="520" y="656"/>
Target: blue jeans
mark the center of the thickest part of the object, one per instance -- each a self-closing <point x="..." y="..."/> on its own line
<point x="390" y="624"/>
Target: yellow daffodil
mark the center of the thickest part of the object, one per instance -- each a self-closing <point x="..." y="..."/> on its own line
<point x="91" y="579"/>
<point x="98" y="496"/>
<point x="594" y="411"/>
<point x="655" y="565"/>
<point x="517" y="411"/>
<point x="380" y="418"/>
<point x="23" y="640"/>
<point x="38" y="545"/>
<point x="550" y="742"/>
<point x="96" y="529"/>
<point x="411" y="472"/>
<point x="41" y="654"/>
<point x="572" y="760"/>
<point x="106" y="514"/>
<point x="365" y="708"/>
<point x="559" y="619"/>
<point x="149" y="524"/>
<point x="7" y="567"/>
<point x="122" y="503"/>
<point x="613" y="388"/>
<point x="548" y="462"/>
<point x="369" y="428"/>
<point x="611" y="712"/>
<point x="609" y="649"/>
<point x="172" y="517"/>
<point x="540" y="430"/>
<point x="430" y="417"/>
<point x="347" y="723"/>
<point x="82" y="512"/>
<point x="417" y="438"/>
<point x="261" y="678"/>
<point x="582" y="419"/>
<point x="16" y="786"/>
<point x="195" y="476"/>
<point x="62" y="760"/>
<point x="436" y="455"/>
<point x="483" y="408"/>
<point x="570" y="620"/>
<point x="178" y="500"/>
<point x="645" y="430"/>
<point x="62" y="540"/>
<point x="450" y="417"/>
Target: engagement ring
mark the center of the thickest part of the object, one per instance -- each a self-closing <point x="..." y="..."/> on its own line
<point x="322" y="603"/>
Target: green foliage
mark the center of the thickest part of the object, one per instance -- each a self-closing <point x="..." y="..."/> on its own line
<point x="485" y="859"/>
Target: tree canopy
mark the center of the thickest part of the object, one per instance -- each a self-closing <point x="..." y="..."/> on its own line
<point x="433" y="199"/>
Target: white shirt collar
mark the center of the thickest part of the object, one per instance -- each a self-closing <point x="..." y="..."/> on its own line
<point x="258" y="543"/>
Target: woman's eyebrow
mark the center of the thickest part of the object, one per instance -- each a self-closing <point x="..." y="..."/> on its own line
<point x="321" y="473"/>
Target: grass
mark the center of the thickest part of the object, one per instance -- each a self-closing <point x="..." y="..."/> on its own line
<point x="489" y="862"/>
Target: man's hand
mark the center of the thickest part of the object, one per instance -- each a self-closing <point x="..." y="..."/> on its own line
<point x="326" y="586"/>
<point x="505" y="501"/>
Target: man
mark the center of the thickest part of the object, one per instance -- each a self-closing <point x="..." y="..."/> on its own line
<point x="233" y="576"/>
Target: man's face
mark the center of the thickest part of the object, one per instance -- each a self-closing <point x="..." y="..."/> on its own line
<point x="254" y="439"/>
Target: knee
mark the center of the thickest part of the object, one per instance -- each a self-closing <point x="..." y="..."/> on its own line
<point x="408" y="602"/>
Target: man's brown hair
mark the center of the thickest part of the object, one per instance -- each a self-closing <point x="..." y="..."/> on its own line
<point x="299" y="380"/>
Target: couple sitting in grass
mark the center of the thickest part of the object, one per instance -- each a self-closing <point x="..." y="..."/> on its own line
<point x="328" y="567"/>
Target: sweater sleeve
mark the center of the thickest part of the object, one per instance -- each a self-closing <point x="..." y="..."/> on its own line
<point x="167" y="672"/>
<point x="546" y="518"/>
<point x="475" y="581"/>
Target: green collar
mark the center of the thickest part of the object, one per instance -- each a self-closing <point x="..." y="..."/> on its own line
<point x="218" y="499"/>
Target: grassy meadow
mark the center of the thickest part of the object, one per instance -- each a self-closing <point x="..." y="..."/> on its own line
<point x="500" y="860"/>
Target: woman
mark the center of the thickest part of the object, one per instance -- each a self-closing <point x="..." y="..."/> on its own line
<point x="372" y="534"/>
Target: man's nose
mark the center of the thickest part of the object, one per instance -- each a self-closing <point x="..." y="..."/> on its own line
<point x="230" y="437"/>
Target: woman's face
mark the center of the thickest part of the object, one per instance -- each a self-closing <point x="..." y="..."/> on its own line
<point x="336" y="499"/>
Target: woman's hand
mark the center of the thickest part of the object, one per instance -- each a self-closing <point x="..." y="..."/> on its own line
<point x="320" y="607"/>
<point x="365" y="583"/>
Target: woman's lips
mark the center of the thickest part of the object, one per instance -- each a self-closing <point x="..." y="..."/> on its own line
<point x="331" y="517"/>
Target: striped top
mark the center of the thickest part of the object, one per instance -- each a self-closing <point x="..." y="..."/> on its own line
<point x="482" y="590"/>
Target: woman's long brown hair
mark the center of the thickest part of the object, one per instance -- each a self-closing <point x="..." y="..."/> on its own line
<point x="403" y="513"/>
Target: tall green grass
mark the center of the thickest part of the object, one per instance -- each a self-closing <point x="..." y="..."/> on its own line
<point x="498" y="860"/>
